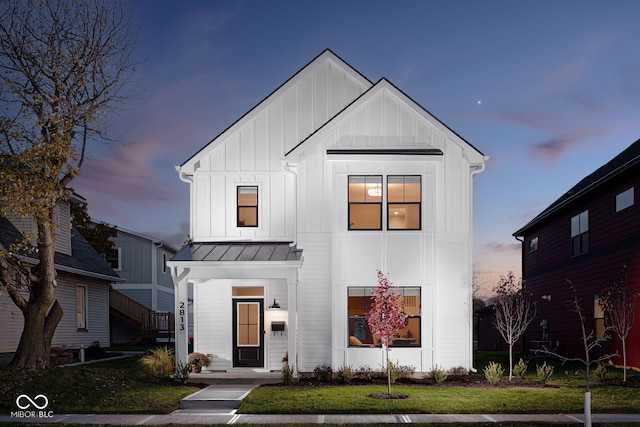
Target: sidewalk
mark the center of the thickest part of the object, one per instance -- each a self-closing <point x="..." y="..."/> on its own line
<point x="217" y="404"/>
<point x="189" y="416"/>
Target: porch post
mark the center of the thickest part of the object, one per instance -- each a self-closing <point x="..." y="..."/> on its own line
<point x="181" y="291"/>
<point x="292" y="347"/>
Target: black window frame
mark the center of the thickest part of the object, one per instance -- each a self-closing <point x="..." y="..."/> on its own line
<point x="580" y="240"/>
<point x="238" y="206"/>
<point x="350" y="203"/>
<point x="389" y="228"/>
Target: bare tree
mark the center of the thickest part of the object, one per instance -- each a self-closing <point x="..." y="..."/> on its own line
<point x="514" y="310"/>
<point x="63" y="64"/>
<point x="590" y="341"/>
<point x="619" y="304"/>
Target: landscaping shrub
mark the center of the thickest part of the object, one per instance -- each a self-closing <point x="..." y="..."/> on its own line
<point x="288" y="373"/>
<point x="438" y="374"/>
<point x="345" y="374"/>
<point x="600" y="371"/>
<point x="398" y="371"/>
<point x="458" y="370"/>
<point x="544" y="372"/>
<point x="365" y="373"/>
<point x="323" y="373"/>
<point x="158" y="362"/>
<point x="183" y="372"/>
<point x="493" y="372"/>
<point x="520" y="368"/>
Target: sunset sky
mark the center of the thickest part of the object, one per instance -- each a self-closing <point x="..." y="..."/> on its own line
<point x="550" y="90"/>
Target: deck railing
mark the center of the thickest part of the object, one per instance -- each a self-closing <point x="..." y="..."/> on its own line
<point x="147" y="320"/>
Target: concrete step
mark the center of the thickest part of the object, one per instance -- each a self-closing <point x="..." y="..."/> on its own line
<point x="219" y="396"/>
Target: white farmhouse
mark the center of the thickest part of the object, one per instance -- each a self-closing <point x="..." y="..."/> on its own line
<point x="296" y="206"/>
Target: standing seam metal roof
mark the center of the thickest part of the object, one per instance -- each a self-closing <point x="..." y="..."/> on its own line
<point x="239" y="251"/>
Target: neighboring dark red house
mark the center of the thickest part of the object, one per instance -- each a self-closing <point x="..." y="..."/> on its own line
<point x="587" y="236"/>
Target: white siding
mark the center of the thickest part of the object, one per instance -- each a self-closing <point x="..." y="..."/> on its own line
<point x="314" y="301"/>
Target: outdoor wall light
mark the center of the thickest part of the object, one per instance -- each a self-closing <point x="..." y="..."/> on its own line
<point x="546" y="297"/>
<point x="275" y="305"/>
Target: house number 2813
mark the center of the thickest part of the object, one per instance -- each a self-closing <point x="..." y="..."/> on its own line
<point x="181" y="314"/>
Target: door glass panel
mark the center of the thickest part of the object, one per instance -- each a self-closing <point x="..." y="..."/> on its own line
<point x="248" y="324"/>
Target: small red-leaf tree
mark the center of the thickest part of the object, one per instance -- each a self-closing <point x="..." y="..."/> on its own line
<point x="386" y="317"/>
<point x="619" y="304"/>
<point x="514" y="310"/>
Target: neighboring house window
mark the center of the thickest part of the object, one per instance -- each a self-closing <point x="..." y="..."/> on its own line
<point x="624" y="199"/>
<point x="365" y="202"/>
<point x="359" y="303"/>
<point x="580" y="234"/>
<point x="533" y="244"/>
<point x="81" y="307"/>
<point x="115" y="259"/>
<point x="598" y="318"/>
<point x="164" y="263"/>
<point x="247" y="206"/>
<point x="404" y="202"/>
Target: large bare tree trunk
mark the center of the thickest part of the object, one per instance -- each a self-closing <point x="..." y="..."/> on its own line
<point x="43" y="312"/>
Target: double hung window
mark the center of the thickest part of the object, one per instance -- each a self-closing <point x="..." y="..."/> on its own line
<point x="580" y="234"/>
<point x="247" y="206"/>
<point x="365" y="202"/>
<point x="403" y="202"/>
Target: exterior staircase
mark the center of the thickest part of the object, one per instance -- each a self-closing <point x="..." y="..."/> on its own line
<point x="151" y="324"/>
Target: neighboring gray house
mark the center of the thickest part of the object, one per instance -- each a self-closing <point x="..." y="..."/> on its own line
<point x="83" y="279"/>
<point x="141" y="261"/>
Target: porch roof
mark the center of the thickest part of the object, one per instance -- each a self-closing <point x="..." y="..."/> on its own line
<point x="239" y="251"/>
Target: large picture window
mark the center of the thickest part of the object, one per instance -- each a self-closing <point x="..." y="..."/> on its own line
<point x="580" y="234"/>
<point x="247" y="206"/>
<point x="359" y="303"/>
<point x="365" y="202"/>
<point x="404" y="202"/>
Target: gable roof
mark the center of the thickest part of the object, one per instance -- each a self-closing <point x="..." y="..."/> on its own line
<point x="382" y="85"/>
<point x="326" y="55"/>
<point x="84" y="261"/>
<point x="622" y="162"/>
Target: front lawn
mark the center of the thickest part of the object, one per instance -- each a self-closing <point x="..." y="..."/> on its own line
<point x="439" y="400"/>
<point x="112" y="386"/>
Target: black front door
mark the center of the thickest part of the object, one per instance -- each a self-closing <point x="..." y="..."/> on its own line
<point x="248" y="333"/>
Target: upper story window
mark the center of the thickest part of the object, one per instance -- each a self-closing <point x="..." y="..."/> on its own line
<point x="404" y="202"/>
<point x="624" y="199"/>
<point x="365" y="202"/>
<point x="164" y="263"/>
<point x="247" y="206"/>
<point x="533" y="244"/>
<point x="115" y="258"/>
<point x="580" y="233"/>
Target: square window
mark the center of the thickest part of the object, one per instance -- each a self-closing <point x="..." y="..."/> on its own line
<point x="247" y="206"/>
<point x="358" y="306"/>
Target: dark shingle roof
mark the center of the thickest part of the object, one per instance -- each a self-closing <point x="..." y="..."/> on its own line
<point x="84" y="257"/>
<point x="630" y="157"/>
<point x="239" y="251"/>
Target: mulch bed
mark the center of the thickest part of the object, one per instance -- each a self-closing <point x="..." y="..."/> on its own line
<point x="452" y="380"/>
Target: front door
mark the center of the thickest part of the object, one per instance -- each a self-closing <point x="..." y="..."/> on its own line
<point x="248" y="333"/>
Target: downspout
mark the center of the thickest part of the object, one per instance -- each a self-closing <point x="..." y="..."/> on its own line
<point x="287" y="168"/>
<point x="474" y="171"/>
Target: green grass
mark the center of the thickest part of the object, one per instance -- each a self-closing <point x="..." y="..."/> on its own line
<point x="435" y="399"/>
<point x="113" y="386"/>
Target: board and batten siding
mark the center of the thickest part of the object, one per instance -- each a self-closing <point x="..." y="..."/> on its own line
<point x="314" y="301"/>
